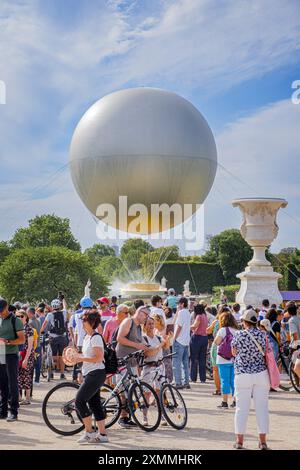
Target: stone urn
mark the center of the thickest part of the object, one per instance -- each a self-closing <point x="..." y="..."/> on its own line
<point x="259" y="228"/>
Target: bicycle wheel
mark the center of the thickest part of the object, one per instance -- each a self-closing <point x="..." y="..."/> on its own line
<point x="144" y="406"/>
<point x="112" y="405"/>
<point x="44" y="368"/>
<point x="173" y="406"/>
<point x="283" y="365"/>
<point x="209" y="369"/>
<point x="294" y="378"/>
<point x="59" y="412"/>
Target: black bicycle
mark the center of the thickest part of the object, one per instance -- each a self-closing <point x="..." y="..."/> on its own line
<point x="130" y="394"/>
<point x="286" y="360"/>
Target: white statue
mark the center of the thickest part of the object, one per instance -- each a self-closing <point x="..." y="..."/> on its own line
<point x="87" y="289"/>
<point x="163" y="282"/>
<point x="186" y="289"/>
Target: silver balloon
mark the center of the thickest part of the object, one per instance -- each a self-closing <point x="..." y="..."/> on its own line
<point x="150" y="145"/>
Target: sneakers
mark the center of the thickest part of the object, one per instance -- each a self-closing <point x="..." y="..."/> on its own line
<point x="223" y="405"/>
<point x="145" y="421"/>
<point x="102" y="438"/>
<point x="89" y="438"/>
<point x="179" y="387"/>
<point x="233" y="404"/>
<point x="126" y="423"/>
<point x="25" y="402"/>
<point x="187" y="386"/>
<point x="12" y="418"/>
<point x="63" y="377"/>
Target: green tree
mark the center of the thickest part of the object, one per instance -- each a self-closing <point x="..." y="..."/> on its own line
<point x="4" y="251"/>
<point x="108" y="266"/>
<point x="98" y="251"/>
<point x="33" y="274"/>
<point x="135" y="244"/>
<point x="230" y="251"/>
<point x="45" y="230"/>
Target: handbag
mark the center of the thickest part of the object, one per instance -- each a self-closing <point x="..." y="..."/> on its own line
<point x="273" y="371"/>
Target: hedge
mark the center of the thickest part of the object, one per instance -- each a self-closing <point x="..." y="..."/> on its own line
<point x="229" y="291"/>
<point x="202" y="276"/>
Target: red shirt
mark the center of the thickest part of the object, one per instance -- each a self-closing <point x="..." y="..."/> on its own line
<point x="109" y="329"/>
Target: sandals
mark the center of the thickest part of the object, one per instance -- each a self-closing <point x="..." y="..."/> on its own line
<point x="263" y="446"/>
<point x="238" y="446"/>
<point x="25" y="402"/>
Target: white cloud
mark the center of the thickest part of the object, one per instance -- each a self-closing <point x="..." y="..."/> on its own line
<point x="52" y="74"/>
<point x="262" y="152"/>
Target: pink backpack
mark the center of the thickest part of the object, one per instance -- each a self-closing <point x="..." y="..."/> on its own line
<point x="224" y="350"/>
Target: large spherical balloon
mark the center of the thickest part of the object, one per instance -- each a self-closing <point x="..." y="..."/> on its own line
<point x="150" y="145"/>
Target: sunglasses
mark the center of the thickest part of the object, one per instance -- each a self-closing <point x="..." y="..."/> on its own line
<point x="20" y="316"/>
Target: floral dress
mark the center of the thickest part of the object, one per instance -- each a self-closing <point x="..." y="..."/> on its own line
<point x="25" y="375"/>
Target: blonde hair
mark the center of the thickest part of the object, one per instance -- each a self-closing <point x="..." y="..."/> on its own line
<point x="159" y="319"/>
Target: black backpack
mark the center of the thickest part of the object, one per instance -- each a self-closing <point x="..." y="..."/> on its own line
<point x="110" y="357"/>
<point x="59" y="327"/>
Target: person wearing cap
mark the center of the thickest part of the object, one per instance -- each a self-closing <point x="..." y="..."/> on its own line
<point x="57" y="323"/>
<point x="105" y="312"/>
<point x="171" y="300"/>
<point x="265" y="326"/>
<point x="11" y="336"/>
<point x="251" y="379"/>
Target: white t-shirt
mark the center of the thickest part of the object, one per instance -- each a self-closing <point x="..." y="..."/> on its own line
<point x="89" y="343"/>
<point x="221" y="334"/>
<point x="79" y="330"/>
<point x="153" y="343"/>
<point x="183" y="320"/>
<point x="237" y="316"/>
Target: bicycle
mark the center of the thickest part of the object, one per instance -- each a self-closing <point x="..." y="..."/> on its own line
<point x="209" y="368"/>
<point x="171" y="401"/>
<point x="130" y="394"/>
<point x="47" y="359"/>
<point x="287" y="359"/>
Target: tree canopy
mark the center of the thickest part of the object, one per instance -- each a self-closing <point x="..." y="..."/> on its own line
<point x="230" y="251"/>
<point x="45" y="230"/>
<point x="98" y="251"/>
<point x="32" y="274"/>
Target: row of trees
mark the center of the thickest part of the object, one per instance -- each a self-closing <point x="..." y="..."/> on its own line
<point x="45" y="257"/>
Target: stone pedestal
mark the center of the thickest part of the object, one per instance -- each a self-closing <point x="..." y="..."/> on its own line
<point x="259" y="229"/>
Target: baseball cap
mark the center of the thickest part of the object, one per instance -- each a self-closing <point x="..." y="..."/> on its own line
<point x="266" y="324"/>
<point x="3" y="305"/>
<point x="103" y="300"/>
<point x="250" y="315"/>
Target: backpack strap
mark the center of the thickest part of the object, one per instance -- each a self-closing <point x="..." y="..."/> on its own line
<point x="13" y="322"/>
<point x="256" y="343"/>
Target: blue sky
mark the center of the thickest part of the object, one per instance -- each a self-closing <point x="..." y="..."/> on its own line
<point x="234" y="60"/>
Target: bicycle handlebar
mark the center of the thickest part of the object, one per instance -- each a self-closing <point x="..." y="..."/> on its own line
<point x="159" y="362"/>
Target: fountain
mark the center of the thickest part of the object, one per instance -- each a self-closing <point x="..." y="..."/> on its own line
<point x="142" y="290"/>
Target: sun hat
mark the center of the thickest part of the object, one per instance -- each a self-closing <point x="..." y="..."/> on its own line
<point x="250" y="316"/>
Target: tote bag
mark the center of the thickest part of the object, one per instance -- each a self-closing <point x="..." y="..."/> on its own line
<point x="274" y="374"/>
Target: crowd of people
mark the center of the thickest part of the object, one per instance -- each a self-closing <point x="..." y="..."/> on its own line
<point x="223" y="338"/>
